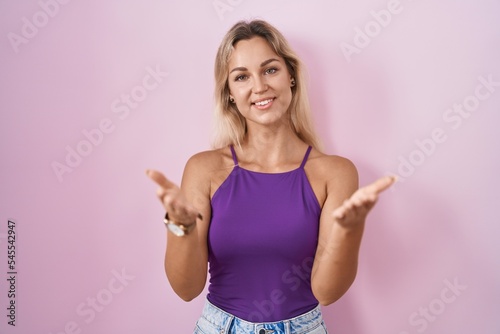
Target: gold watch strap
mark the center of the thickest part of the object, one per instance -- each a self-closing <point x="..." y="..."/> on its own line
<point x="185" y="227"/>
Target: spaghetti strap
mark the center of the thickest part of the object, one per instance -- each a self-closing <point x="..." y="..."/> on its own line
<point x="305" y="157"/>
<point x="235" y="159"/>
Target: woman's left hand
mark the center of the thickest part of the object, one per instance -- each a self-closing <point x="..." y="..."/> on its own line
<point x="355" y="209"/>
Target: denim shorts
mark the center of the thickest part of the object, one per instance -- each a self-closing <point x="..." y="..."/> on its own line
<point x="216" y="321"/>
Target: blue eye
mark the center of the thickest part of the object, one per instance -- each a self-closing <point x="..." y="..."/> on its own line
<point x="271" y="70"/>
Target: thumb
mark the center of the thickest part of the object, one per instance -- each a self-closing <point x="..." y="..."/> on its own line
<point x="381" y="184"/>
<point x="160" y="179"/>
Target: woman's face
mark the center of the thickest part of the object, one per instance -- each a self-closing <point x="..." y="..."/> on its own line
<point x="259" y="82"/>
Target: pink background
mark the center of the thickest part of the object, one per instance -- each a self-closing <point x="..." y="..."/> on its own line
<point x="78" y="231"/>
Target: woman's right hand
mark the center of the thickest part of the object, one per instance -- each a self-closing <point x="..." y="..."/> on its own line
<point x="178" y="208"/>
<point x="186" y="258"/>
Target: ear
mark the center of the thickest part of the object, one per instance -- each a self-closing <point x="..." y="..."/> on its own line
<point x="292" y="81"/>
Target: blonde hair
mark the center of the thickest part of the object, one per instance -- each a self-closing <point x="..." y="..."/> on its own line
<point x="230" y="124"/>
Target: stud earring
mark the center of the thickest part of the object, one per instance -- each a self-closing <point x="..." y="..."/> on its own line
<point x="231" y="100"/>
<point x="292" y="82"/>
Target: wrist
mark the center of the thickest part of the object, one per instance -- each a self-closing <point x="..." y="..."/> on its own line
<point x="178" y="229"/>
<point x="340" y="228"/>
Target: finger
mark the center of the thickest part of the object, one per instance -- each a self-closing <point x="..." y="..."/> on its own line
<point x="177" y="206"/>
<point x="161" y="193"/>
<point x="380" y="185"/>
<point x="184" y="214"/>
<point x="359" y="198"/>
<point x="339" y="213"/>
<point x="160" y="179"/>
<point x="347" y="205"/>
<point x="364" y="198"/>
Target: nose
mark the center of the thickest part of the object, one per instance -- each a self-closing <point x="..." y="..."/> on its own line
<point x="259" y="85"/>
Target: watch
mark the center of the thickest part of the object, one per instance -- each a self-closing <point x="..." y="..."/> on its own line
<point x="179" y="230"/>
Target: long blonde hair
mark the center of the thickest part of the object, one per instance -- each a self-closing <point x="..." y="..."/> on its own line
<point x="230" y="124"/>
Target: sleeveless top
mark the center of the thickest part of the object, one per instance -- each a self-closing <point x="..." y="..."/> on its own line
<point x="262" y="240"/>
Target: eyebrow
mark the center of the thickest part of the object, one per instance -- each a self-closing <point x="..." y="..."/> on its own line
<point x="264" y="63"/>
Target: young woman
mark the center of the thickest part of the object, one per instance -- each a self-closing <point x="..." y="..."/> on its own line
<point x="279" y="222"/>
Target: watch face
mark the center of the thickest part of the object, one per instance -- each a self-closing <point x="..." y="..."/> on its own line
<point x="175" y="229"/>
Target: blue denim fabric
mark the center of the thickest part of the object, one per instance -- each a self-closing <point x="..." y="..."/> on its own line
<point x="215" y="321"/>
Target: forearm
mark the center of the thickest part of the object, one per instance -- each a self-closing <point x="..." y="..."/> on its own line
<point x="186" y="265"/>
<point x="336" y="265"/>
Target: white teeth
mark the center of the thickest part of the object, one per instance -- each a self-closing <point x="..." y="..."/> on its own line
<point x="263" y="103"/>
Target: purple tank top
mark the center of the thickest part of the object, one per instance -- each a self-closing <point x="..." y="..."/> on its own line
<point x="262" y="241"/>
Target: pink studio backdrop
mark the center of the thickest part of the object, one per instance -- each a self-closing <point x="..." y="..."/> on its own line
<point x="93" y="93"/>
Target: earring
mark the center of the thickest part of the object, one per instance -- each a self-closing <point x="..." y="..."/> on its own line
<point x="231" y="100"/>
<point x="292" y="82"/>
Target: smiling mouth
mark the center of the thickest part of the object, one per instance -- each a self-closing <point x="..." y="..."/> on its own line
<point x="263" y="102"/>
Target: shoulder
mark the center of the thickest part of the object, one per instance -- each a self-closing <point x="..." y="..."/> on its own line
<point x="208" y="169"/>
<point x="210" y="160"/>
<point x="335" y="174"/>
<point x="331" y="166"/>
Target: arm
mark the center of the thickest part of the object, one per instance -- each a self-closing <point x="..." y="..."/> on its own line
<point x="186" y="258"/>
<point x="341" y="229"/>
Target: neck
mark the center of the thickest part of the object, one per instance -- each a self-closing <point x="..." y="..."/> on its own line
<point x="272" y="148"/>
